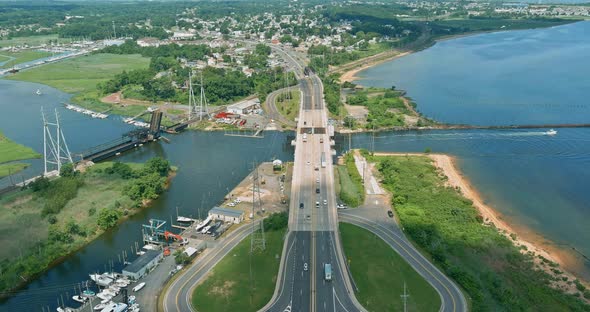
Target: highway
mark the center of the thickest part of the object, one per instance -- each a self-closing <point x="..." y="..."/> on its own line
<point x="313" y="223"/>
<point x="178" y="296"/>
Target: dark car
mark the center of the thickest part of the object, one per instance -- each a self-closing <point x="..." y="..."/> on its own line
<point x="317" y="190"/>
<point x="301" y="205"/>
<point x="390" y="213"/>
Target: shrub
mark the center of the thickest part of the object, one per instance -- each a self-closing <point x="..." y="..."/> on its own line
<point x="108" y="218"/>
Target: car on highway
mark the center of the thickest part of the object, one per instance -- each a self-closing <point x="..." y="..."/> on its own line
<point x="321" y="140"/>
<point x="341" y="206"/>
<point x="301" y="205"/>
<point x="317" y="180"/>
<point x="317" y="204"/>
<point x="317" y="190"/>
<point x="390" y="213"/>
<point x="325" y="202"/>
<point x="305" y="266"/>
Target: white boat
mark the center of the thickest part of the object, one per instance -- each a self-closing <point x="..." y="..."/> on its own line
<point x="184" y="219"/>
<point x="551" y="132"/>
<point x="139" y="286"/>
<point x="79" y="299"/>
<point x="105" y="295"/>
<point x="101" y="280"/>
<point x="38" y="92"/>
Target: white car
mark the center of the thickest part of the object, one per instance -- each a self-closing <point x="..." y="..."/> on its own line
<point x="317" y="204"/>
<point x="325" y="202"/>
<point x="305" y="266"/>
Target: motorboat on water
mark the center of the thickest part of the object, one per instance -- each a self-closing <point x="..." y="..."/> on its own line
<point x="184" y="219"/>
<point x="139" y="286"/>
<point x="105" y="295"/>
<point x="66" y="309"/>
<point x="551" y="132"/>
<point x="88" y="293"/>
<point x="101" y="280"/>
<point x="38" y="92"/>
<point x="80" y="299"/>
<point x="101" y="305"/>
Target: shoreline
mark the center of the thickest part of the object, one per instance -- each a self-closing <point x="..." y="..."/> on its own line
<point x="532" y="240"/>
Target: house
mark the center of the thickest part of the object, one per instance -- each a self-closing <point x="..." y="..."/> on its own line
<point x="244" y="107"/>
<point x="226" y="215"/>
<point x="183" y="36"/>
<point x="142" y="265"/>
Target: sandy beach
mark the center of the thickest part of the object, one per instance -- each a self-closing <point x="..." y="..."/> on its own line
<point x="371" y="61"/>
<point x="533" y="241"/>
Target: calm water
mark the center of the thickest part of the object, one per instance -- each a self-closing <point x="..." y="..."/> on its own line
<point x="535" y="180"/>
<point x="535" y="76"/>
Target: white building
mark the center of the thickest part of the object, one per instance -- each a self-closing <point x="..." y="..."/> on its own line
<point x="183" y="36"/>
<point x="244" y="107"/>
<point x="226" y="215"/>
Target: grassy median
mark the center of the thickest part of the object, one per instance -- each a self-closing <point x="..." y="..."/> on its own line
<point x="289" y="105"/>
<point x="380" y="273"/>
<point x="229" y="287"/>
<point x="351" y="189"/>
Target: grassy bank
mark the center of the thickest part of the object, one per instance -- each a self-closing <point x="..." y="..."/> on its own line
<point x="52" y="219"/>
<point x="352" y="191"/>
<point x="380" y="273"/>
<point x="82" y="74"/>
<point x="229" y="288"/>
<point x="32" y="40"/>
<point x="445" y="225"/>
<point x="12" y="151"/>
<point x="14" y="58"/>
<point x="289" y="107"/>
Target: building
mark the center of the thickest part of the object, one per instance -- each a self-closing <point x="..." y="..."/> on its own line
<point x="244" y="107"/>
<point x="183" y="36"/>
<point x="141" y="266"/>
<point x="226" y="214"/>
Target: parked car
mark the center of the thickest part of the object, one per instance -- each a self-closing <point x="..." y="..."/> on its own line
<point x="390" y="213"/>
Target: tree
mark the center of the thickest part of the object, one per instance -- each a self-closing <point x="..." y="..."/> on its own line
<point x="158" y="165"/>
<point x="67" y="171"/>
<point x="108" y="218"/>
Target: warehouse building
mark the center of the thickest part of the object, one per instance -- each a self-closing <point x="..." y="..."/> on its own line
<point x="244" y="107"/>
<point x="226" y="215"/>
<point x="142" y="265"/>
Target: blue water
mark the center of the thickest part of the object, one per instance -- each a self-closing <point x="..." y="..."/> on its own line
<point x="537" y="76"/>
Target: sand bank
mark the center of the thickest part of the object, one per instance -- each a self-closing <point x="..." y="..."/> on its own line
<point x="533" y="241"/>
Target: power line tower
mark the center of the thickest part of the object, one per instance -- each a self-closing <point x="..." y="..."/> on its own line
<point x="55" y="148"/>
<point x="192" y="104"/>
<point x="203" y="105"/>
<point x="257" y="240"/>
<point x="114" y="31"/>
<point x="405" y="298"/>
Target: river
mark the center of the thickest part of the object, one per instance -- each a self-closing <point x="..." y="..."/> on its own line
<point x="532" y="179"/>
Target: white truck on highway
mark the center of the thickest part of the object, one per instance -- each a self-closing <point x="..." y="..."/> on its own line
<point x="323" y="160"/>
<point x="305" y="137"/>
<point x="327" y="271"/>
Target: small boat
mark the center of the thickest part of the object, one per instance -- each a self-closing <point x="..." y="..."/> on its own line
<point x="184" y="219"/>
<point x="551" y="132"/>
<point x="100" y="306"/>
<point x="38" y="92"/>
<point x="105" y="295"/>
<point x="139" y="286"/>
<point x="88" y="293"/>
<point x="79" y="299"/>
<point x="101" y="280"/>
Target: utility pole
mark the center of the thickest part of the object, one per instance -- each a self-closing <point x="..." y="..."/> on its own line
<point x="114" y="31"/>
<point x="55" y="148"/>
<point x="257" y="240"/>
<point x="203" y="105"/>
<point x="405" y="298"/>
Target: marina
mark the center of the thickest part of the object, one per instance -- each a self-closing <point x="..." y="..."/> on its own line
<point x="84" y="111"/>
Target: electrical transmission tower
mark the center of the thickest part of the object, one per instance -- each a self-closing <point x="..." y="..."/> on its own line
<point x="257" y="240"/>
<point x="114" y="31"/>
<point x="55" y="148"/>
<point x="192" y="104"/>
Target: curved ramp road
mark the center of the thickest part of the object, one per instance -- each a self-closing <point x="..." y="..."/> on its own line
<point x="452" y="299"/>
<point x="178" y="296"/>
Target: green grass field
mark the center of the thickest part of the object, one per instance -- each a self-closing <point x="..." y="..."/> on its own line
<point x="21" y="213"/>
<point x="82" y="74"/>
<point x="290" y="107"/>
<point x="11" y="151"/>
<point x="351" y="190"/>
<point x="380" y="273"/>
<point x="228" y="287"/>
<point x="32" y="40"/>
<point x="15" y="58"/>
